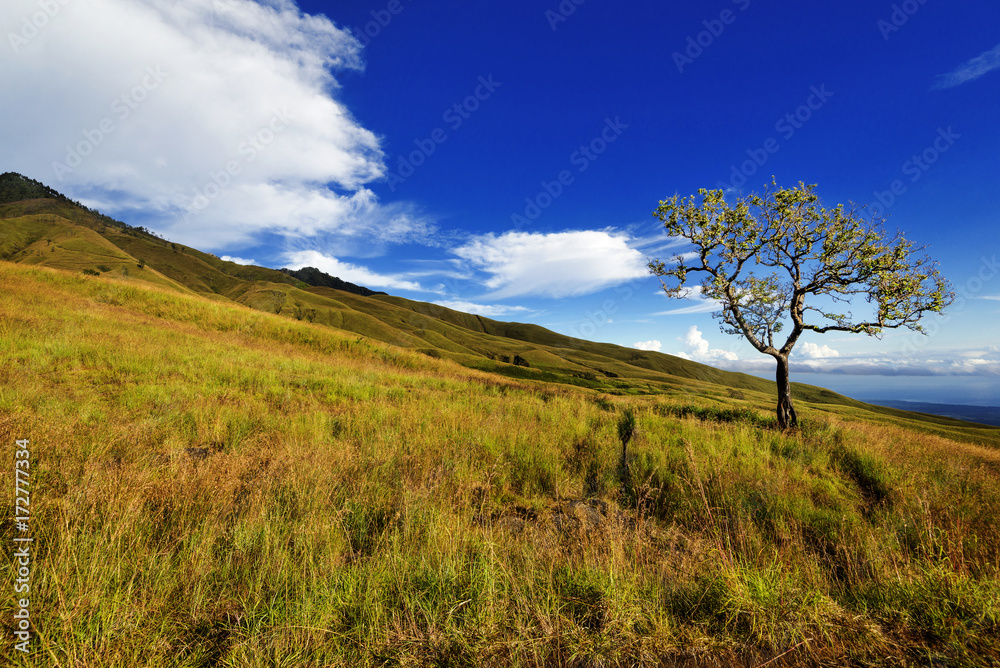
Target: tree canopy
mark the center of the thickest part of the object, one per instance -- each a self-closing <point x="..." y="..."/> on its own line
<point x="780" y="259"/>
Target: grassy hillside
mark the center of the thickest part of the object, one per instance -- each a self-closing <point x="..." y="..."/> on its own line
<point x="215" y="485"/>
<point x="29" y="227"/>
<point x="55" y="232"/>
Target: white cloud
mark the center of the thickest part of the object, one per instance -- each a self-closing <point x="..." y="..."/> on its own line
<point x="561" y="264"/>
<point x="813" y="351"/>
<point x="214" y="121"/>
<point x="699" y="304"/>
<point x="237" y="260"/>
<point x="348" y="272"/>
<point x="651" y="345"/>
<point x="702" y="306"/>
<point x="489" y="310"/>
<point x="971" y="69"/>
<point x="972" y="362"/>
<point x="700" y="351"/>
<point x="658" y="244"/>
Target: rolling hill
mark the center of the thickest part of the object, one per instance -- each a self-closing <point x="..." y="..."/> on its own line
<point x="214" y="485"/>
<point x="230" y="466"/>
<point x="41" y="227"/>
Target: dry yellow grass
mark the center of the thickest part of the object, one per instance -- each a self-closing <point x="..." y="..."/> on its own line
<point x="221" y="486"/>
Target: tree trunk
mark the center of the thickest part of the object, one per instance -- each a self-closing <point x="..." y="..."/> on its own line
<point x="786" y="412"/>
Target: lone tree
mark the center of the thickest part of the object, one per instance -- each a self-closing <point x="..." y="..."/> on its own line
<point x="782" y="257"/>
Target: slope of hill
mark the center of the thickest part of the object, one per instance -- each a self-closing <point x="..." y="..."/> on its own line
<point x="317" y="278"/>
<point x="53" y="231"/>
<point x="15" y="188"/>
<point x="28" y="234"/>
<point x="216" y="485"/>
<point x="982" y="414"/>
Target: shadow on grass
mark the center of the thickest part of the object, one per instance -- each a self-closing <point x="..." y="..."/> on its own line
<point x="722" y="415"/>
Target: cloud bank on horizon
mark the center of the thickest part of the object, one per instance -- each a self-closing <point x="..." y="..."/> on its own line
<point x="810" y="357"/>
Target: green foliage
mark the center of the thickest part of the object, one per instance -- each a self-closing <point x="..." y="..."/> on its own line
<point x="15" y="187"/>
<point x="808" y="251"/>
<point x="781" y="259"/>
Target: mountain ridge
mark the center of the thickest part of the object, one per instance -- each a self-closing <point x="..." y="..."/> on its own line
<point x="53" y="231"/>
<point x="318" y="278"/>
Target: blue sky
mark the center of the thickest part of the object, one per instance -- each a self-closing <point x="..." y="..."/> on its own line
<point x="505" y="158"/>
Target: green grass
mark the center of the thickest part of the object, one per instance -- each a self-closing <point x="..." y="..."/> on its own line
<point x="216" y="485"/>
<point x="55" y="233"/>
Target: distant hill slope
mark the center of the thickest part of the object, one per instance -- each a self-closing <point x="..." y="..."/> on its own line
<point x="982" y="414"/>
<point x="50" y="230"/>
<point x="15" y="188"/>
<point x="320" y="279"/>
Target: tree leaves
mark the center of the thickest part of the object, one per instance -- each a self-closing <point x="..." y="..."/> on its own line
<point x="766" y="256"/>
